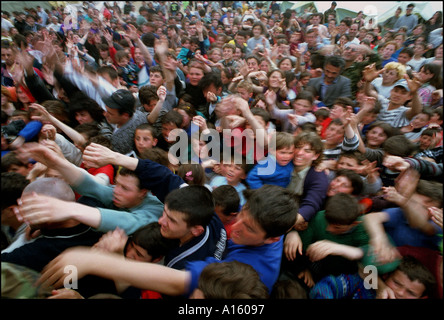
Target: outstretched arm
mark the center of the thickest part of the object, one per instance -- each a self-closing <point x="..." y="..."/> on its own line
<point x="143" y="275"/>
<point x="153" y="176"/>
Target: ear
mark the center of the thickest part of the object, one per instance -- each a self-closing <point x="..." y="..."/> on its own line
<point x="272" y="240"/>
<point x="157" y="260"/>
<point x="197" y="230"/>
<point x="143" y="193"/>
<point x="154" y="142"/>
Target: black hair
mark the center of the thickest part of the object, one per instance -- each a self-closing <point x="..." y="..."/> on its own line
<point x="274" y="208"/>
<point x="13" y="184"/>
<point x="227" y="198"/>
<point x="195" y="202"/>
<point x="150" y="238"/>
<point x="342" y="208"/>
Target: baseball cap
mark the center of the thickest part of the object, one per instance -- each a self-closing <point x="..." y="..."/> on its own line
<point x="121" y="99"/>
<point x="402" y="83"/>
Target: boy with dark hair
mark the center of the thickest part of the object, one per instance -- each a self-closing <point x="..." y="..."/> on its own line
<point x="170" y="121"/>
<point x="226" y="205"/>
<point x="334" y="241"/>
<point x="410" y="280"/>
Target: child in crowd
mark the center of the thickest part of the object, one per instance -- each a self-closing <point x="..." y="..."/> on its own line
<point x="232" y="174"/>
<point x="277" y="167"/>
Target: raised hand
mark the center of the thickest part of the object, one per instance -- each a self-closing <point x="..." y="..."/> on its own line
<point x="370" y="73"/>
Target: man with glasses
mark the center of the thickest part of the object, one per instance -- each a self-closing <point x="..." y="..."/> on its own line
<point x="409" y="20"/>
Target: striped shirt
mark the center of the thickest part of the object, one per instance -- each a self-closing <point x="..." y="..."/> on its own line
<point x="345" y="145"/>
<point x="396" y="117"/>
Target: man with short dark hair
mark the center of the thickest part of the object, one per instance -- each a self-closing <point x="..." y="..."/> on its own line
<point x="331" y="85"/>
<point x="121" y="113"/>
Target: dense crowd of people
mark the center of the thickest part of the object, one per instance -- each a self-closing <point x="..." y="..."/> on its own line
<point x="221" y="150"/>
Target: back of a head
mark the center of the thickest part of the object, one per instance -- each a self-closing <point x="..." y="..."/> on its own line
<point x="342" y="209"/>
<point x="399" y="145"/>
<point x="53" y="187"/>
<point x="231" y="280"/>
<point x="13" y="184"/>
<point x="226" y="197"/>
<point x="273" y="207"/>
<point x="195" y="202"/>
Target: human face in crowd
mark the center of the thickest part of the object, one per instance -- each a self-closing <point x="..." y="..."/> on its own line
<point x="311" y="39"/>
<point x="166" y="130"/>
<point x="275" y="80"/>
<point x="389" y="77"/>
<point x="126" y="193"/>
<point x="424" y="75"/>
<point x="350" y="52"/>
<point x="123" y="62"/>
<point x="301" y="106"/>
<point x="334" y="134"/>
<point x="403" y="58"/>
<point x="331" y="73"/>
<point x="418" y="50"/>
<point x="113" y="116"/>
<point x="286" y="65"/>
<point x="315" y="20"/>
<point x="227" y="54"/>
<point x="237" y="54"/>
<point x="375" y="137"/>
<point x="264" y="66"/>
<point x="156" y="79"/>
<point x="138" y="57"/>
<point x="420" y="120"/>
<point x="285" y="155"/>
<point x="347" y="163"/>
<point x="304" y="155"/>
<point x="215" y="56"/>
<point x="194" y="75"/>
<point x="186" y="118"/>
<point x="399" y="96"/>
<point x="83" y="116"/>
<point x="244" y="93"/>
<point x="403" y="287"/>
<point x="353" y="31"/>
<point x="136" y="252"/>
<point x="233" y="173"/>
<point x="339" y="184"/>
<point x="399" y="40"/>
<point x="8" y="57"/>
<point x="252" y="65"/>
<point x="425" y="142"/>
<point x="247" y="231"/>
<point x="143" y="140"/>
<point x="173" y="226"/>
<point x="22" y="96"/>
<point x="388" y="51"/>
<point x="257" y="31"/>
<point x="337" y="112"/>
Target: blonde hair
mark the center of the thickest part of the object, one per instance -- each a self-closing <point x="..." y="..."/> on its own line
<point x="400" y="69"/>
